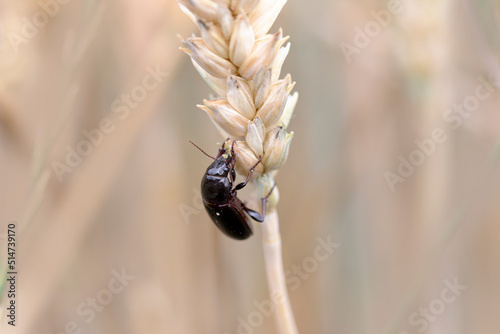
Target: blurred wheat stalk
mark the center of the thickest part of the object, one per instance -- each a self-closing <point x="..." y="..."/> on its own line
<point x="242" y="64"/>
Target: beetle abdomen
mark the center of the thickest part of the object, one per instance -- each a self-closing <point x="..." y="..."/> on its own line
<point x="229" y="220"/>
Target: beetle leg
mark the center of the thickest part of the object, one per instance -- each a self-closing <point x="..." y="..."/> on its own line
<point x="254" y="214"/>
<point x="232" y="173"/>
<point x="270" y="192"/>
<point x="232" y="147"/>
<point x="233" y="176"/>
<point x="250" y="172"/>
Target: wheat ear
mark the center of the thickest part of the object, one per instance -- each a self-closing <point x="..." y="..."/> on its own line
<point x="241" y="62"/>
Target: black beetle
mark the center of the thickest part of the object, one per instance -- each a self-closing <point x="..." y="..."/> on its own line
<point x="220" y="198"/>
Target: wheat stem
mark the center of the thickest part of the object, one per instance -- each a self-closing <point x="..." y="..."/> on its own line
<point x="271" y="241"/>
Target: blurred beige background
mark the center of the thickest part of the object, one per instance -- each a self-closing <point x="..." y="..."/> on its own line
<point x="373" y="77"/>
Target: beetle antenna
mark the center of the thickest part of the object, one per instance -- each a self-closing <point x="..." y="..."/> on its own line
<point x="201" y="150"/>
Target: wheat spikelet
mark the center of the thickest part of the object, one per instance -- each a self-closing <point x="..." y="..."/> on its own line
<point x="241" y="62"/>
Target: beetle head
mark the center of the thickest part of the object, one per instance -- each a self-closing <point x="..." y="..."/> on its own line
<point x="223" y="163"/>
<point x="221" y="166"/>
